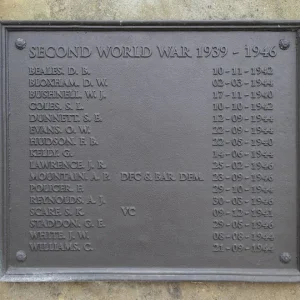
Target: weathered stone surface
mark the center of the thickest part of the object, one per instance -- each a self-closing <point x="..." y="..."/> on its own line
<point x="148" y="10"/>
<point x="149" y="291"/>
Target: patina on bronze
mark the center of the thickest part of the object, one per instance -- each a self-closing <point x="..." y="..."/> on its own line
<point x="149" y="151"/>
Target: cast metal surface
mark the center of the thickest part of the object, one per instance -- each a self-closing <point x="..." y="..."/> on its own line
<point x="149" y="151"/>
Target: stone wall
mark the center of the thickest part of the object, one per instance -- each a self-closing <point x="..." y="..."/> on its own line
<point x="148" y="10"/>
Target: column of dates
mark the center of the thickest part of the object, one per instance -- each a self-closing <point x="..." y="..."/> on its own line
<point x="243" y="159"/>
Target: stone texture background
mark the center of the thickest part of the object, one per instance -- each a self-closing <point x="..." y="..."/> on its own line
<point x="148" y="10"/>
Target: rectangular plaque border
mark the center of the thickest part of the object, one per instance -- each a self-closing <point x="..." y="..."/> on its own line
<point x="9" y="274"/>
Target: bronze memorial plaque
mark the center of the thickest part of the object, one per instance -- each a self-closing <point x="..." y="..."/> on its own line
<point x="149" y="151"/>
